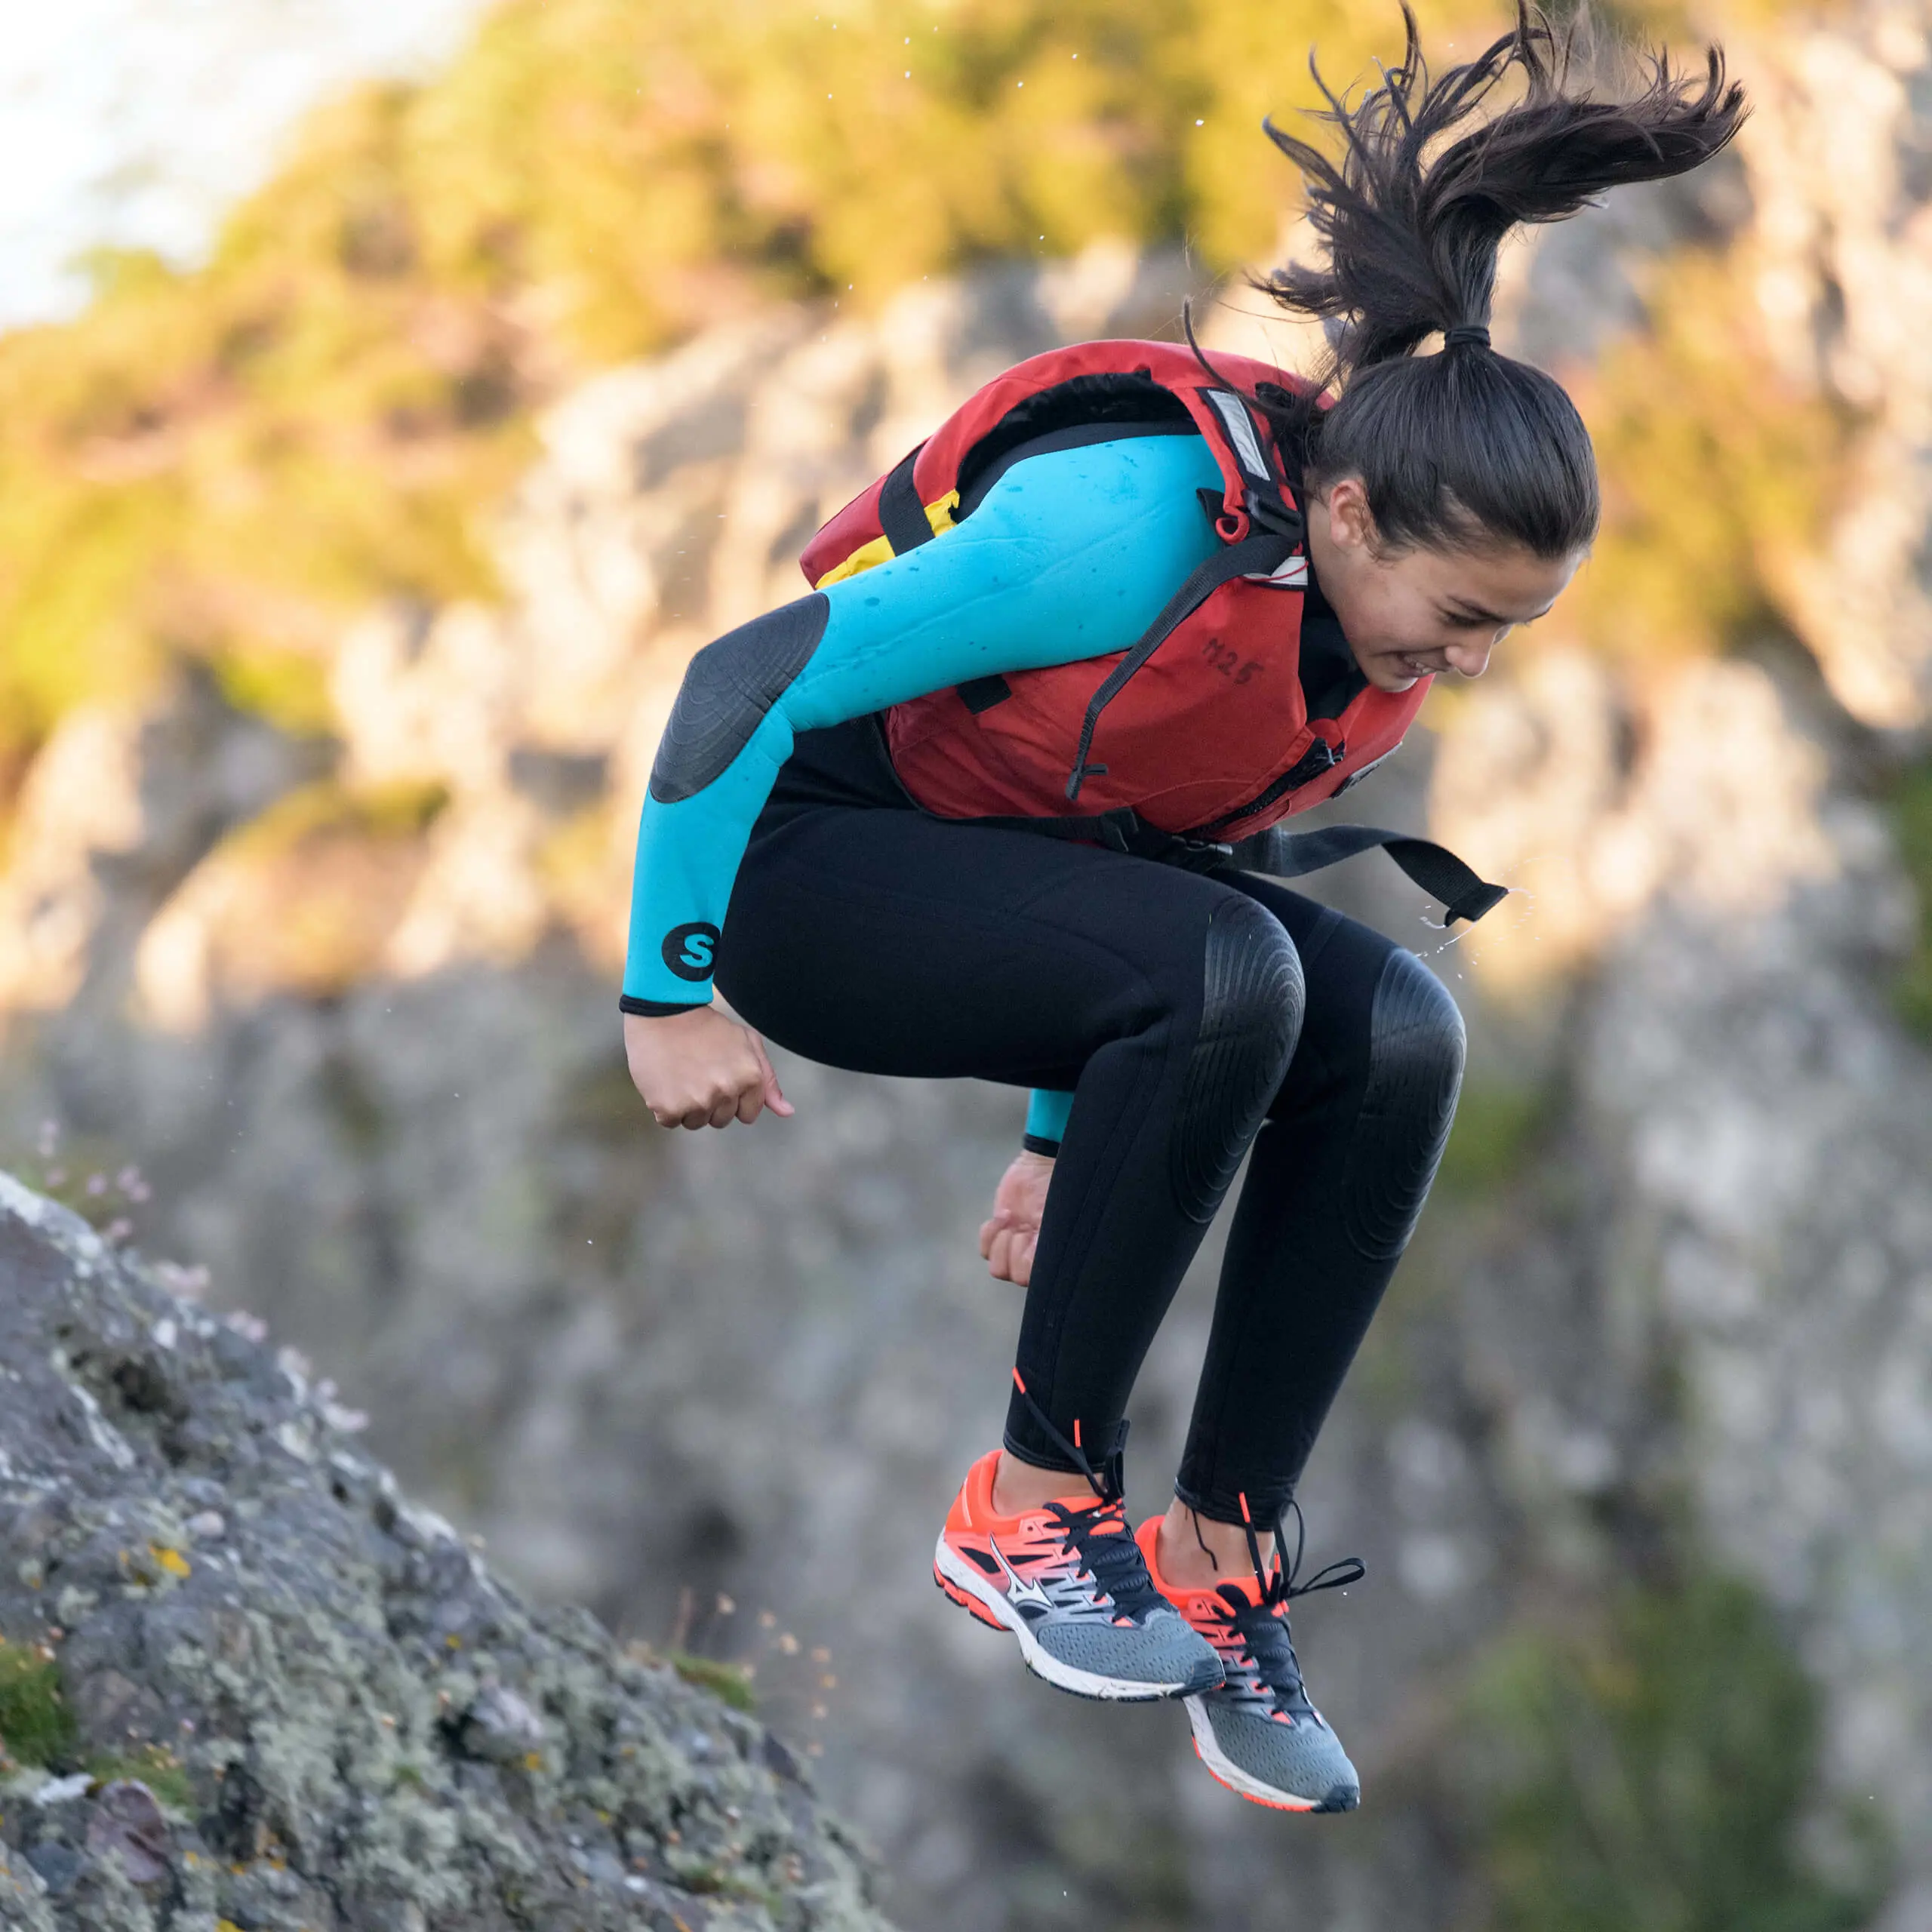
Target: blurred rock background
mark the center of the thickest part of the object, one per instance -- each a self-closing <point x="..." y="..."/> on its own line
<point x="347" y="581"/>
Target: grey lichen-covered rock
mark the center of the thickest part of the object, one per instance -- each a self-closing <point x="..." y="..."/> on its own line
<point x="323" y="1712"/>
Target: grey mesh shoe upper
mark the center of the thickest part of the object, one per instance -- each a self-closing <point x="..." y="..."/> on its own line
<point x="1262" y="1722"/>
<point x="1164" y="1649"/>
<point x="1260" y="1732"/>
<point x="1098" y="1610"/>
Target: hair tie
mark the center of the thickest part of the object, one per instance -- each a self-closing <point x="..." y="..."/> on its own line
<point x="1475" y="332"/>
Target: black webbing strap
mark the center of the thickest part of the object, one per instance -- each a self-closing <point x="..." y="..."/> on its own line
<point x="1464" y="894"/>
<point x="1121" y="829"/>
<point x="1262" y="553"/>
<point x="901" y="515"/>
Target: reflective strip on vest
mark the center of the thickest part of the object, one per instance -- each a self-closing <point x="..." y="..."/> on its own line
<point x="1240" y="432"/>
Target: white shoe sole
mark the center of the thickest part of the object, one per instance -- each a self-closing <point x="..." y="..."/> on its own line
<point x="1062" y="1676"/>
<point x="1207" y="1748"/>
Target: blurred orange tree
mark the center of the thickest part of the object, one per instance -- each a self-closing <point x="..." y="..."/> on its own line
<point x="224" y="463"/>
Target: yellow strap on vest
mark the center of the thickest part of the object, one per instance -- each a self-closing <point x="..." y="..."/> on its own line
<point x="880" y="550"/>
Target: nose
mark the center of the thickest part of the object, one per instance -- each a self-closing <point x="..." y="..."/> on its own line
<point x="1471" y="659"/>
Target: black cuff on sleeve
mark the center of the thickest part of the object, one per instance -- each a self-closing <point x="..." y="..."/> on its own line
<point x="655" y="1009"/>
<point x="1035" y="1143"/>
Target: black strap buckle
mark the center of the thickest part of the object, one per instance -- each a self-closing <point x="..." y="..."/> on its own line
<point x="1269" y="509"/>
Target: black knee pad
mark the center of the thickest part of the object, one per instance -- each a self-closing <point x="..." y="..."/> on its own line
<point x="1250" y="1017"/>
<point x="728" y="687"/>
<point x="1415" y="1071"/>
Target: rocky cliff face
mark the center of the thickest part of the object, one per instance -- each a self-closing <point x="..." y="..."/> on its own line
<point x="350" y="1009"/>
<point x="244" y="1682"/>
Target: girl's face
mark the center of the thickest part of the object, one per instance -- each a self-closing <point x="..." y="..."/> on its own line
<point x="1407" y="613"/>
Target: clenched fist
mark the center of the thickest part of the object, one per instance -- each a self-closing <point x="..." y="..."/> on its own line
<point x="1008" y="1239"/>
<point x="701" y="1068"/>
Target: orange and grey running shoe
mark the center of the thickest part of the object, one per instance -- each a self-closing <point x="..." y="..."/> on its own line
<point x="1259" y="1733"/>
<point x="1068" y="1579"/>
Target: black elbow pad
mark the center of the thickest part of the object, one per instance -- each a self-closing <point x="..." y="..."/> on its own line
<point x="730" y="686"/>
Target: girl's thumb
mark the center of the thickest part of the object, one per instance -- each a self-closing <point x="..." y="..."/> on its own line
<point x="774" y="1095"/>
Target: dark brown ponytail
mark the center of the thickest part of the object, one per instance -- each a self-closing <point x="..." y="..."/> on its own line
<point x="1467" y="446"/>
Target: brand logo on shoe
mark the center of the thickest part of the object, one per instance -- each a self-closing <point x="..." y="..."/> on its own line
<point x="1018" y="1590"/>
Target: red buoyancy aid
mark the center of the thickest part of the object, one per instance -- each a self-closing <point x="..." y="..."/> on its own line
<point x="1217" y="723"/>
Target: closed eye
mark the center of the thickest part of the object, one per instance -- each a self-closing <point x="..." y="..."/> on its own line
<point x="1471" y="620"/>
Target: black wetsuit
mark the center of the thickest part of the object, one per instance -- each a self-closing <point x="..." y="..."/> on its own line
<point x="864" y="933"/>
<point x="1187" y="1013"/>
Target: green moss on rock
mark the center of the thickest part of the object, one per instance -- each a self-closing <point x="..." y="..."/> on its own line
<point x="730" y="1682"/>
<point x="36" y="1726"/>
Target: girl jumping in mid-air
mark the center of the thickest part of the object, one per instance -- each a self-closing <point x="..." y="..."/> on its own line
<point x="992" y="801"/>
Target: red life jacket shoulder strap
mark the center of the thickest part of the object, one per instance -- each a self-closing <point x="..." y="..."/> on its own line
<point x="1091" y="382"/>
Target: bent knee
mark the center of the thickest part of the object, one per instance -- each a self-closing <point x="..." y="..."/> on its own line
<point x="1252" y="997"/>
<point x="1416" y="1048"/>
<point x="1417" y="1041"/>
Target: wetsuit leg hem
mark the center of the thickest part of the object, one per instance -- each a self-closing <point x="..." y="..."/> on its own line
<point x="1223" y="1506"/>
<point x="1036" y="1458"/>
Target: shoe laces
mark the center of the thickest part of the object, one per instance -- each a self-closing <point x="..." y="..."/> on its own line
<point x="1264" y="1625"/>
<point x="1109" y="1553"/>
<point x="1098" y="1532"/>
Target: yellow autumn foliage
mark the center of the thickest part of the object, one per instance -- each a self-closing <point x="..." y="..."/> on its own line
<point x="223" y="463"/>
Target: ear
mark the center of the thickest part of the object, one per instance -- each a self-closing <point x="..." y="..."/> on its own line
<point x="1350" y="521"/>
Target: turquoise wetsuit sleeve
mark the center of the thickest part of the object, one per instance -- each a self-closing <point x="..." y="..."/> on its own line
<point x="1046" y="1112"/>
<point x="1071" y="554"/>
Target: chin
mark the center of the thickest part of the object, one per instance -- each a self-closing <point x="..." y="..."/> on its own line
<point x="1391" y="678"/>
